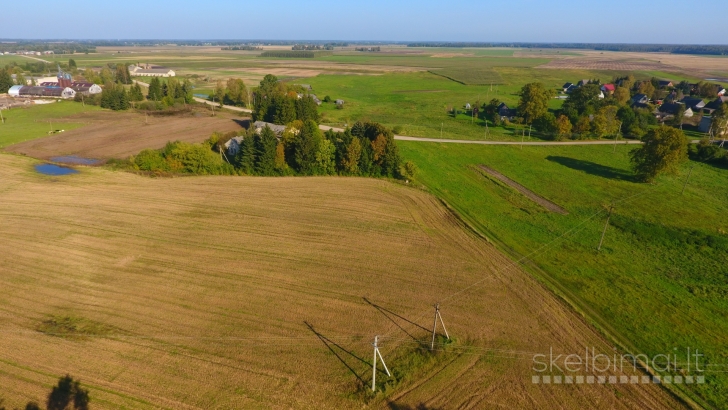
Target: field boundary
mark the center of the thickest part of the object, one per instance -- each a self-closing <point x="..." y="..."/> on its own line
<point x="525" y="191"/>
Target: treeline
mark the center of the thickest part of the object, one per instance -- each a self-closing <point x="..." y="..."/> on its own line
<point x="368" y="49"/>
<point x="294" y="54"/>
<point x="310" y="47"/>
<point x="367" y="149"/>
<point x="280" y="103"/>
<point x="242" y="48"/>
<point x="115" y="96"/>
<point x="650" y="48"/>
<point x="56" y="47"/>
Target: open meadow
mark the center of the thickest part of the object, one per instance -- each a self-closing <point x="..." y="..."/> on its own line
<point x="240" y="292"/>
<point x="659" y="282"/>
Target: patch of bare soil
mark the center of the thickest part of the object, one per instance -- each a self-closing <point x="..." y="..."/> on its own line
<point x="525" y="191"/>
<point x="607" y="64"/>
<point x="120" y="135"/>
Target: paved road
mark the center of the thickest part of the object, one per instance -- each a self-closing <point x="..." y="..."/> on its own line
<point x="421" y="139"/>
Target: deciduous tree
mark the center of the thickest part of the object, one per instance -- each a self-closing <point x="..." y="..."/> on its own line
<point x="663" y="150"/>
<point x="563" y="128"/>
<point x="534" y="101"/>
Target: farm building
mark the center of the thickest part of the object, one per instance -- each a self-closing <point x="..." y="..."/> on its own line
<point x="147" y="70"/>
<point x="277" y="129"/>
<point x="582" y="83"/>
<point x="48" y="92"/>
<point x="608" y="88"/>
<point x="706" y="123"/>
<point x="79" y="87"/>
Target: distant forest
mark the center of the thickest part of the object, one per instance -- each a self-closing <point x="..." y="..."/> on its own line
<point x="649" y="48"/>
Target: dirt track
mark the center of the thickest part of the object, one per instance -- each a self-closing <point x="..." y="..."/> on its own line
<point x="119" y="135"/>
<point x="525" y="191"/>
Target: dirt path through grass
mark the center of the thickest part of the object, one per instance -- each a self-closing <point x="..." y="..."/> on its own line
<point x="525" y="191"/>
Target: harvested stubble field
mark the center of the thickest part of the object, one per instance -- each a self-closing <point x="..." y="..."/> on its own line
<point x="195" y="293"/>
<point x="108" y="134"/>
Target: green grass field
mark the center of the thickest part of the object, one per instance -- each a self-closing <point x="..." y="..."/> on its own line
<point x="22" y="124"/>
<point x="659" y="282"/>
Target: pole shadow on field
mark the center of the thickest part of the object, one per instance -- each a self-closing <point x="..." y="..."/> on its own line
<point x="329" y="343"/>
<point x="386" y="312"/>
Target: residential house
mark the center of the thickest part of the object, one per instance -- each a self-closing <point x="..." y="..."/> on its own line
<point x="601" y="94"/>
<point x="582" y="83"/>
<point x="669" y="110"/>
<point x="665" y="84"/>
<point x="714" y="105"/>
<point x="567" y="86"/>
<point x="232" y="147"/>
<point x="640" y="100"/>
<point x="695" y="104"/>
<point x="571" y="89"/>
<point x="608" y="88"/>
<point x="721" y="91"/>
<point x="505" y="112"/>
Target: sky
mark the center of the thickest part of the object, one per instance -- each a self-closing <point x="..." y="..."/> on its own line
<point x="588" y="21"/>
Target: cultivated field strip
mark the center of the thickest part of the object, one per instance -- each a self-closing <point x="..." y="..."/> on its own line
<point x="199" y="290"/>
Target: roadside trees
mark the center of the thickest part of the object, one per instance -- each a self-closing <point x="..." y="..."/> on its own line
<point x="563" y="128"/>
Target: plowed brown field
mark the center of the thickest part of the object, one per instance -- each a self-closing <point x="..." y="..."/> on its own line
<point x="119" y="135"/>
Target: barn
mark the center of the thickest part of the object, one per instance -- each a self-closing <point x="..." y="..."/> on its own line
<point x="40" y="91"/>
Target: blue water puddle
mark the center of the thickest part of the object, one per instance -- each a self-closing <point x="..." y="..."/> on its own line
<point x="72" y="159"/>
<point x="205" y="96"/>
<point x="50" y="169"/>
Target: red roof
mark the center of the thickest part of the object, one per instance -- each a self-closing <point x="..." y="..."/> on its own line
<point x="609" y="87"/>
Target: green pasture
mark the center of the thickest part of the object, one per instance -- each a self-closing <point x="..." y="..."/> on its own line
<point x="660" y="282"/>
<point x="22" y="124"/>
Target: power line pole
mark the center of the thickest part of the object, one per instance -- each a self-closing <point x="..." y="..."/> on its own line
<point x="523" y="134"/>
<point x="1" y="117"/>
<point x="434" y="326"/>
<point x="611" y="208"/>
<point x="687" y="179"/>
<point x="442" y="124"/>
<point x="374" y="366"/>
<point x="616" y="137"/>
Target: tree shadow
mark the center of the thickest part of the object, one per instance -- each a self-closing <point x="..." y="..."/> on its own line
<point x="388" y="314"/>
<point x="594" y="168"/>
<point x="243" y="123"/>
<point x="330" y="344"/>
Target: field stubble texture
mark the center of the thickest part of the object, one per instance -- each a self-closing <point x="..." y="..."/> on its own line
<point x="193" y="293"/>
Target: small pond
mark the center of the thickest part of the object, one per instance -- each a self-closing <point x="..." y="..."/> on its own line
<point x="51" y="169"/>
<point x="72" y="159"/>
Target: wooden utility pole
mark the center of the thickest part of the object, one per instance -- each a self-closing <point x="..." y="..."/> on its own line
<point x="523" y="135"/>
<point x="442" y="124"/>
<point x="374" y="365"/>
<point x="687" y="179"/>
<point x="529" y="132"/>
<point x="616" y="137"/>
<point x="1" y="116"/>
<point x="434" y="326"/>
<point x="611" y="208"/>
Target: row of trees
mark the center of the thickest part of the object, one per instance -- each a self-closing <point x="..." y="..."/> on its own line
<point x="234" y="92"/>
<point x="366" y="149"/>
<point x="279" y="103"/>
<point x="170" y="92"/>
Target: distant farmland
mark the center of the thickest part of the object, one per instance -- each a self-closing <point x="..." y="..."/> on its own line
<point x="234" y="292"/>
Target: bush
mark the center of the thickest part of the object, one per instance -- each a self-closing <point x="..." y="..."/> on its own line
<point x="397" y="129"/>
<point x="150" y="160"/>
<point x="327" y="99"/>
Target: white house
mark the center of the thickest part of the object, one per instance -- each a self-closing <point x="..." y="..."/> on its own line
<point x="233" y="146"/>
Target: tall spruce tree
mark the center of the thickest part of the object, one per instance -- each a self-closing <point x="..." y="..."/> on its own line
<point x="155" y="90"/>
<point x="265" y="150"/>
